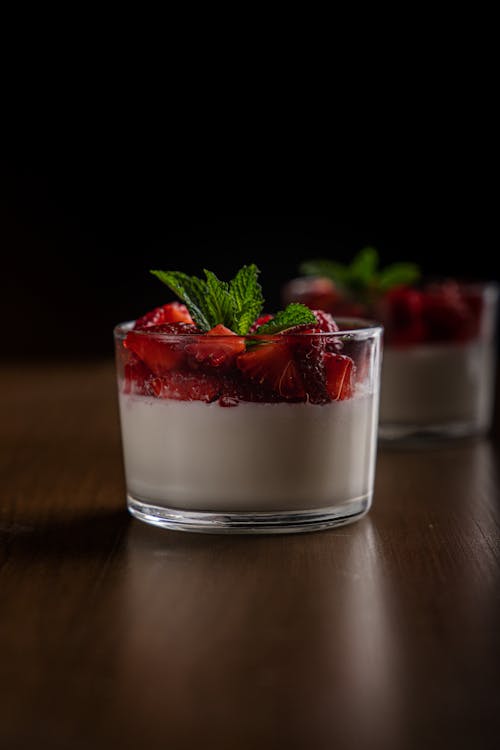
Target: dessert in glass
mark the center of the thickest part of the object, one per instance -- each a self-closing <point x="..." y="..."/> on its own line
<point x="439" y="342"/>
<point x="234" y="421"/>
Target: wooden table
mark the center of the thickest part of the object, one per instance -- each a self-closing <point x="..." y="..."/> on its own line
<point x="383" y="634"/>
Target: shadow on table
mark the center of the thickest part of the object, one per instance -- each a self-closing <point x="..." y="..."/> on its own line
<point x="80" y="537"/>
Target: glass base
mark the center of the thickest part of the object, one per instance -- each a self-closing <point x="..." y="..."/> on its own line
<point x="423" y="433"/>
<point x="220" y="522"/>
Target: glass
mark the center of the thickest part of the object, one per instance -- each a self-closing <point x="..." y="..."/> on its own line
<point x="206" y="448"/>
<point x="438" y="372"/>
<point x="443" y="387"/>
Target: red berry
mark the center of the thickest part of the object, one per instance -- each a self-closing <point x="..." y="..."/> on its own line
<point x="326" y="323"/>
<point x="445" y="313"/>
<point x="216" y="352"/>
<point x="315" y="292"/>
<point x="137" y="377"/>
<point x="260" y="322"/>
<point x="187" y="386"/>
<point x="272" y="365"/>
<point x="174" y="312"/>
<point x="160" y="354"/>
<point x="401" y="311"/>
<point x="339" y="376"/>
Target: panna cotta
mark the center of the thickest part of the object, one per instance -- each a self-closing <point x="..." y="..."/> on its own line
<point x="269" y="424"/>
<point x="266" y="457"/>
<point x="439" y="343"/>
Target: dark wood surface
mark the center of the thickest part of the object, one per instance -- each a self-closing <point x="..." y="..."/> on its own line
<point x="383" y="634"/>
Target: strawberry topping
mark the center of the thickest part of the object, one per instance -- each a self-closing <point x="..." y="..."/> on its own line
<point x="160" y="354"/>
<point x="217" y="352"/>
<point x="260" y="322"/>
<point x="174" y="312"/>
<point x="339" y="376"/>
<point x="187" y="386"/>
<point x="273" y="365"/>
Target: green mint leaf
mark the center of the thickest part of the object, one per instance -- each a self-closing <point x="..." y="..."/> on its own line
<point x="218" y="301"/>
<point x="337" y="272"/>
<point x="191" y="291"/>
<point x="398" y="274"/>
<point x="247" y="298"/>
<point x="210" y="301"/>
<point x="293" y="315"/>
<point x="363" y="268"/>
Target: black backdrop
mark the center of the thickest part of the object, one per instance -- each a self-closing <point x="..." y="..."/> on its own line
<point x="78" y="239"/>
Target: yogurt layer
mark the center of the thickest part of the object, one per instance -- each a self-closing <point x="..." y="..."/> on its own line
<point x="253" y="457"/>
<point x="437" y="384"/>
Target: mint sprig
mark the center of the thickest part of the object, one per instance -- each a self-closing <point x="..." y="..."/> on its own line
<point x="210" y="301"/>
<point x="363" y="276"/>
<point x="294" y="314"/>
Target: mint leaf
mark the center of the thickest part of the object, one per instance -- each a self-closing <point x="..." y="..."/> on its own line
<point x="293" y="315"/>
<point x="363" y="268"/>
<point x="218" y="301"/>
<point x="247" y="298"/>
<point x="190" y="290"/>
<point x="324" y="267"/>
<point x="362" y="278"/>
<point x="398" y="274"/>
<point x="210" y="301"/>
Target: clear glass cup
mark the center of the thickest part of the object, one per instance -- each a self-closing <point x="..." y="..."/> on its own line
<point x="443" y="387"/>
<point x="209" y="449"/>
<point x="438" y="374"/>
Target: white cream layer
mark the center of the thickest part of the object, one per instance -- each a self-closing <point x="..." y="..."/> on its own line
<point x="437" y="384"/>
<point x="265" y="457"/>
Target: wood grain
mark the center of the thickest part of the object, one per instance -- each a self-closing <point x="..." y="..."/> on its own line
<point x="384" y="634"/>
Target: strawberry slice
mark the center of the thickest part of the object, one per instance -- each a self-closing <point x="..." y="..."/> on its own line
<point x="339" y="376"/>
<point x="187" y="386"/>
<point x="260" y="322"/>
<point x="217" y="352"/>
<point x="401" y="310"/>
<point x="273" y="365"/>
<point x="315" y="292"/>
<point x="160" y="354"/>
<point x="137" y="377"/>
<point x="174" y="312"/>
<point x="325" y="322"/>
<point x="445" y="313"/>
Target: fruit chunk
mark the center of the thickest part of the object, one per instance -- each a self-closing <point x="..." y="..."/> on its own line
<point x="186" y="386"/>
<point x="339" y="376"/>
<point x="173" y="312"/>
<point x="326" y="323"/>
<point x="260" y="322"/>
<point x="137" y="377"/>
<point x="445" y="313"/>
<point x="158" y="353"/>
<point x="402" y="314"/>
<point x="272" y="364"/>
<point x="216" y="352"/>
<point x="315" y="292"/>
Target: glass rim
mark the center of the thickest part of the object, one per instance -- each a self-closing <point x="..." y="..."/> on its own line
<point x="357" y="329"/>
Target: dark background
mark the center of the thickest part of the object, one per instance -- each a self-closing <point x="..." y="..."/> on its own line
<point x="78" y="236"/>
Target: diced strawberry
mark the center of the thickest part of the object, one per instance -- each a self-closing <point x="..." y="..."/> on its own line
<point x="136" y="377"/>
<point x="173" y="312"/>
<point x="401" y="310"/>
<point x="260" y="322"/>
<point x="326" y="323"/>
<point x="160" y="353"/>
<point x="445" y="313"/>
<point x="339" y="376"/>
<point x="308" y="350"/>
<point x="273" y="365"/>
<point x="315" y="292"/>
<point x="216" y="352"/>
<point x="187" y="386"/>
